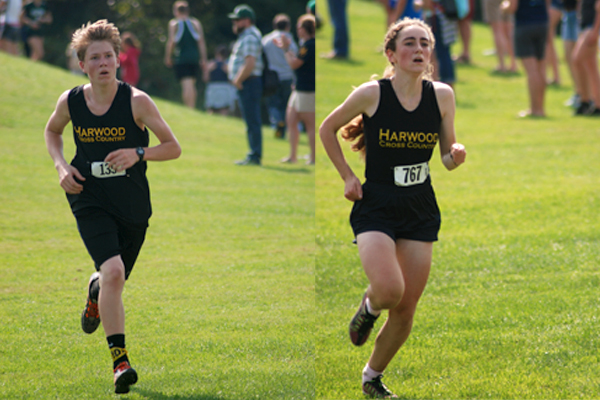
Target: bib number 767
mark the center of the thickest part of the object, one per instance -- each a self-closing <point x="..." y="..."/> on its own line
<point x="409" y="175"/>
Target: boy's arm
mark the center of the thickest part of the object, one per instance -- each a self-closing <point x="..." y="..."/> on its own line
<point x="54" y="143"/>
<point x="146" y="114"/>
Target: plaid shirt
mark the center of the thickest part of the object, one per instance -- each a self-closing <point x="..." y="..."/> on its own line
<point x="248" y="44"/>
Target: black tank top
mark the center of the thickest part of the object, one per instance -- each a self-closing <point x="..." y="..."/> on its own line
<point x="588" y="14"/>
<point x="395" y="137"/>
<point x="126" y="197"/>
<point x="217" y="74"/>
<point x="570" y="5"/>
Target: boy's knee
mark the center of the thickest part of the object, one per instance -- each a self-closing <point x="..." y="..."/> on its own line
<point x="113" y="272"/>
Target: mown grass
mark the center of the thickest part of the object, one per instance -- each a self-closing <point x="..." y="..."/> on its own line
<point x="511" y="307"/>
<point x="220" y="304"/>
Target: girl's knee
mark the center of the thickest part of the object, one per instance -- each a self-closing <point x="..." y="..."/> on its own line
<point x="403" y="313"/>
<point x="387" y="298"/>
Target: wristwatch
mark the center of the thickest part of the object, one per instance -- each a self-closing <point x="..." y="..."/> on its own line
<point x="140" y="152"/>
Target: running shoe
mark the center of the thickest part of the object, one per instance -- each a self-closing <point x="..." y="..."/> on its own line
<point x="125" y="376"/>
<point x="573" y="101"/>
<point x="584" y="108"/>
<point x="377" y="390"/>
<point x="90" y="317"/>
<point x="361" y="324"/>
<point x="594" y="112"/>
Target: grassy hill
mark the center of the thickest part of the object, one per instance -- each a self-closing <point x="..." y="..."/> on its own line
<point x="220" y="304"/>
<point x="511" y="307"/>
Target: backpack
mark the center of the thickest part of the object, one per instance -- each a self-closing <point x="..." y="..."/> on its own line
<point x="270" y="79"/>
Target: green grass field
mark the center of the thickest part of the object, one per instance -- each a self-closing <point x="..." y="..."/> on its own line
<point x="221" y="302"/>
<point x="511" y="307"/>
<point x="222" y="305"/>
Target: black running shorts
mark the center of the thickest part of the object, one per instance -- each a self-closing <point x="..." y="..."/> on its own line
<point x="105" y="237"/>
<point x="530" y="41"/>
<point x="401" y="213"/>
<point x="186" y="71"/>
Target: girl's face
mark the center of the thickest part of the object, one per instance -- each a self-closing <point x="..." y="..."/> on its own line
<point x="101" y="62"/>
<point x="413" y="50"/>
<point x="301" y="32"/>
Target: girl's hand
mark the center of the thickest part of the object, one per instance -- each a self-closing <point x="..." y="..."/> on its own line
<point x="458" y="153"/>
<point x="353" y="189"/>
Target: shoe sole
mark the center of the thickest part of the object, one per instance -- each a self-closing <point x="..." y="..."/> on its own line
<point x="124" y="381"/>
<point x="88" y="328"/>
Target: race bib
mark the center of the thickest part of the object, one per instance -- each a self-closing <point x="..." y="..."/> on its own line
<point x="101" y="169"/>
<point x="409" y="175"/>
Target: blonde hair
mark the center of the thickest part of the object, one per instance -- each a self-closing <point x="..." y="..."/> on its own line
<point x="353" y="131"/>
<point x="99" y="31"/>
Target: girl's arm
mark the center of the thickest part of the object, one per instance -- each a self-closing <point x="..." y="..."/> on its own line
<point x="453" y="154"/>
<point x="362" y="100"/>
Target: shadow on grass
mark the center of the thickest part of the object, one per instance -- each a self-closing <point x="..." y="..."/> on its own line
<point x="299" y="170"/>
<point x="152" y="395"/>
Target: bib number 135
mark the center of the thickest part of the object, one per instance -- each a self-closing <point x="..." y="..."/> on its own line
<point x="101" y="169"/>
<point x="409" y="175"/>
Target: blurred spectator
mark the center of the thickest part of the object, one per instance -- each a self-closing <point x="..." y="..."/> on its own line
<point x="129" y="58"/>
<point x="73" y="61"/>
<point x="339" y="19"/>
<point x="444" y="31"/>
<point x="464" y="29"/>
<point x="10" y="27"/>
<point x="398" y="9"/>
<point x="569" y="32"/>
<point x="245" y="71"/>
<point x="186" y="51"/>
<point x="277" y="103"/>
<point x="585" y="59"/>
<point x="531" y="33"/>
<point x="502" y="25"/>
<point x="311" y="8"/>
<point x="220" y="94"/>
<point x="33" y="18"/>
<point x="301" y="106"/>
<point x="551" y="58"/>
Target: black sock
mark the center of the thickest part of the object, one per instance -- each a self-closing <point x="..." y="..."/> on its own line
<point x="116" y="344"/>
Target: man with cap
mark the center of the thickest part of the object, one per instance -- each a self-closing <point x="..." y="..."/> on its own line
<point x="245" y="71"/>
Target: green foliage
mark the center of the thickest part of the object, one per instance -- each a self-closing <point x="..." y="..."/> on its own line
<point x="511" y="307"/>
<point x="148" y="20"/>
<point x="220" y="304"/>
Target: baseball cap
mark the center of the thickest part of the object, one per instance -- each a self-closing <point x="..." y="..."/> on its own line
<point x="242" y="11"/>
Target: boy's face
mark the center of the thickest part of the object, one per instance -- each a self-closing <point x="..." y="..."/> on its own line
<point x="101" y="62"/>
